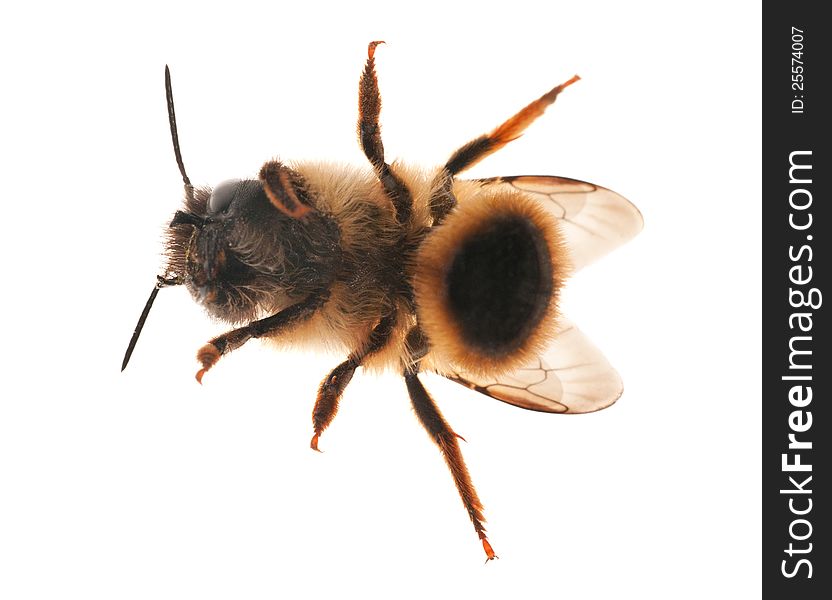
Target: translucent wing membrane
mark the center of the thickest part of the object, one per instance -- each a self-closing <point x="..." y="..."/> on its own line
<point x="594" y="220"/>
<point x="572" y="376"/>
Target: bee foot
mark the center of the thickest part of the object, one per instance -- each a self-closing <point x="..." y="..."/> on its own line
<point x="208" y="355"/>
<point x="371" y="48"/>
<point x="314" y="443"/>
<point x="489" y="551"/>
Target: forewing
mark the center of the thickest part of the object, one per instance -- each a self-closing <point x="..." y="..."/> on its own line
<point x="594" y="220"/>
<point x="572" y="376"/>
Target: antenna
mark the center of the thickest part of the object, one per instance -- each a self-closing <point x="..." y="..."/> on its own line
<point x="160" y="283"/>
<point x="189" y="190"/>
<point x="174" y="135"/>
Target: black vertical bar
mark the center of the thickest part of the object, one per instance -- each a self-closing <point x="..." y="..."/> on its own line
<point x="796" y="262"/>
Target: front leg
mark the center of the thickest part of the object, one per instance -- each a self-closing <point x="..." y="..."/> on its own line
<point x="369" y="132"/>
<point x="211" y="352"/>
<point x="284" y="188"/>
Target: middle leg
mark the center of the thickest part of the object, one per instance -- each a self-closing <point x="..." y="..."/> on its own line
<point x="369" y="132"/>
<point x="329" y="394"/>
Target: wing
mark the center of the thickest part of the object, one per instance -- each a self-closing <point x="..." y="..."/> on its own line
<point x="594" y="220"/>
<point x="572" y="376"/>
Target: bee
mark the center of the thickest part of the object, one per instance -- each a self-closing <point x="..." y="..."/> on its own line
<point x="404" y="269"/>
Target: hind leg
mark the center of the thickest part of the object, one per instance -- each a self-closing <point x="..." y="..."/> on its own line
<point x="447" y="441"/>
<point x="442" y="199"/>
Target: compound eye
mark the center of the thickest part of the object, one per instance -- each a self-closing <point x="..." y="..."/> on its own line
<point x="222" y="195"/>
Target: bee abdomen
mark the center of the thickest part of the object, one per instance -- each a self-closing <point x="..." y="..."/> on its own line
<point x="499" y="284"/>
<point x="487" y="283"/>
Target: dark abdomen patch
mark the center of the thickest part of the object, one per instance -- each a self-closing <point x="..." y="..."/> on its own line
<point x="486" y="283"/>
<point x="499" y="284"/>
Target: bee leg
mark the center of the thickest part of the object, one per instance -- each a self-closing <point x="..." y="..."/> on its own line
<point x="442" y="200"/>
<point x="211" y="352"/>
<point x="284" y="189"/>
<point x="369" y="133"/>
<point x="329" y="393"/>
<point x="329" y="396"/>
<point x="445" y="437"/>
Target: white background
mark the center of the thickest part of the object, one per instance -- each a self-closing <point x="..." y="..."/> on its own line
<point x="143" y="484"/>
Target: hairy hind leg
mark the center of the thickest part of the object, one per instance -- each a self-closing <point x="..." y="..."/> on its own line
<point x="446" y="439"/>
<point x="442" y="199"/>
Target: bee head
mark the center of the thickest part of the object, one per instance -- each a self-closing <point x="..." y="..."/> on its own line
<point x="238" y="255"/>
<point x="216" y="246"/>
